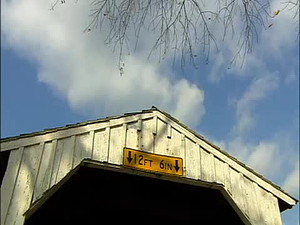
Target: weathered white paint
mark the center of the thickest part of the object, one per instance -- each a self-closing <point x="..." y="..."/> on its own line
<point x="132" y="135"/>
<point x="192" y="159"/>
<point x="249" y="199"/>
<point x="37" y="163"/>
<point x="264" y="207"/>
<point x="23" y="189"/>
<point x="66" y="147"/>
<point x="244" y="194"/>
<point x="232" y="163"/>
<point x="219" y="167"/>
<point x="161" y="139"/>
<point x="183" y="151"/>
<point x="9" y="181"/>
<point x="236" y="188"/>
<point x="56" y="162"/>
<point x="101" y="145"/>
<point x="227" y="178"/>
<point x="116" y="145"/>
<point x="154" y="125"/>
<point x="147" y="136"/>
<point x="52" y="177"/>
<point x="212" y="167"/>
<point x="83" y="148"/>
<point x="67" y="132"/>
<point x="250" y="191"/>
<point x="44" y="174"/>
<point x="175" y="147"/>
<point x="260" y="210"/>
<point x="205" y="165"/>
<point x="274" y="209"/>
<point x="169" y="128"/>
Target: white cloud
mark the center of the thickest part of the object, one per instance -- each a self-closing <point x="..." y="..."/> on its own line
<point x="290" y="78"/>
<point x="273" y="44"/>
<point x="239" y="148"/>
<point x="266" y="158"/>
<point x="82" y="69"/>
<point x="217" y="71"/>
<point x="257" y="91"/>
<point x="283" y="24"/>
<point x="291" y="184"/>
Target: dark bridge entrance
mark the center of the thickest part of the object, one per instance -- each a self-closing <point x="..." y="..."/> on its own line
<point x="93" y="195"/>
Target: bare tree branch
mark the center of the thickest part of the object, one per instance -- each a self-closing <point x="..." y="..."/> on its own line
<point x="181" y="26"/>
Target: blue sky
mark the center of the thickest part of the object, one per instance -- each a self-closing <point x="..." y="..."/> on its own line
<point x="52" y="74"/>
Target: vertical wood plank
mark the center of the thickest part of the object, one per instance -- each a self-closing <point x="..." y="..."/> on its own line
<point x="192" y="159"/>
<point x="139" y="125"/>
<point x="147" y="136"/>
<point x="212" y="174"/>
<point x="116" y="145"/>
<point x="9" y="180"/>
<point x="82" y="148"/>
<point x="175" y="143"/>
<point x="264" y="206"/>
<point x="132" y="136"/>
<point x="200" y="160"/>
<point x="89" y="153"/>
<point x="57" y="158"/>
<point x="169" y="128"/>
<point x="52" y="177"/>
<point x="250" y="200"/>
<point x="139" y="133"/>
<point x="183" y="152"/>
<point x="65" y="165"/>
<point x="154" y="125"/>
<point x="274" y="209"/>
<point x="161" y="141"/>
<point x="24" y="185"/>
<point x="271" y="215"/>
<point x="259" y="205"/>
<point x="42" y="147"/>
<point x="205" y="165"/>
<point x="236" y="188"/>
<point x="270" y="212"/>
<point x="219" y="167"/>
<point x="256" y="204"/>
<point x="101" y="145"/>
<point x="44" y="174"/>
<point x="124" y="136"/>
<point x="244" y="195"/>
<point x="227" y="178"/>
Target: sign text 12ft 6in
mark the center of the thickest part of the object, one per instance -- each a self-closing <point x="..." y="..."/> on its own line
<point x="152" y="162"/>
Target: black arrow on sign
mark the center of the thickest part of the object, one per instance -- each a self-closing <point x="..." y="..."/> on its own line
<point x="129" y="157"/>
<point x="176" y="166"/>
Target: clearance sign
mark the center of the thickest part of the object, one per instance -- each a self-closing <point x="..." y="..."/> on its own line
<point x="152" y="162"/>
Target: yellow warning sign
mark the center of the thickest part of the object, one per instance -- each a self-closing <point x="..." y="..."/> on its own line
<point x="152" y="162"/>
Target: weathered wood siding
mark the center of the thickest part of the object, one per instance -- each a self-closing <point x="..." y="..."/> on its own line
<point x="38" y="163"/>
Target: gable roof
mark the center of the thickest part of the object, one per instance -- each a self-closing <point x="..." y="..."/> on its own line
<point x="151" y="110"/>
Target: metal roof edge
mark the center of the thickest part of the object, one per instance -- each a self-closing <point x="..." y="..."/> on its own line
<point x="74" y="125"/>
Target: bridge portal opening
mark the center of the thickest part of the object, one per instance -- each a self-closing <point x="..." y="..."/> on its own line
<point x="93" y="195"/>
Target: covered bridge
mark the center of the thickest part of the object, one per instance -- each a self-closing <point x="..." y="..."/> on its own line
<point x="138" y="167"/>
